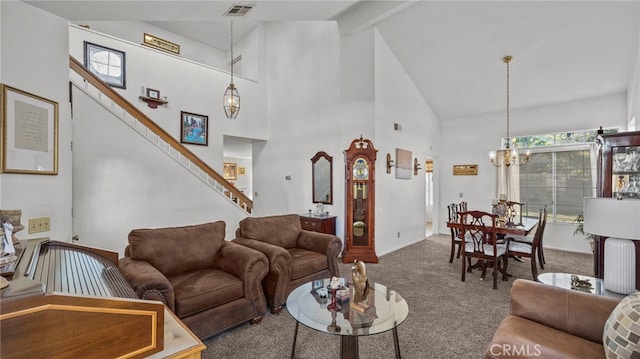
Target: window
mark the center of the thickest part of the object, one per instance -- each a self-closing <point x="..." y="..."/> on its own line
<point x="559" y="179"/>
<point x="108" y="64"/>
<point x="560" y="173"/>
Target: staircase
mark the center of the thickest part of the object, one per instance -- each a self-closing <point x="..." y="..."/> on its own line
<point x="113" y="102"/>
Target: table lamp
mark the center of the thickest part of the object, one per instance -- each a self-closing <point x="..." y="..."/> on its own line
<point x="620" y="221"/>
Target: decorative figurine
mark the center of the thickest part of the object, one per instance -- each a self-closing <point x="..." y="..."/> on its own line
<point x="360" y="282"/>
<point x="583" y="285"/>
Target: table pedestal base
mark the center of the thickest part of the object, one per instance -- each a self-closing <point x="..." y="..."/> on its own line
<point x="349" y="345"/>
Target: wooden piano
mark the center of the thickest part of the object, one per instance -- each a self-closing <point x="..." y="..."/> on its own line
<point x="69" y="301"/>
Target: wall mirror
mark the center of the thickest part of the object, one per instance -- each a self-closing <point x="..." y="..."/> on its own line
<point x="322" y="178"/>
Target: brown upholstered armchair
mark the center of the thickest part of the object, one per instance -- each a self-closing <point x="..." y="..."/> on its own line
<point x="209" y="283"/>
<point x="295" y="255"/>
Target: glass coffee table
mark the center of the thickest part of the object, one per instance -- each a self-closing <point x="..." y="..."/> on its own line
<point x="384" y="310"/>
<point x="563" y="280"/>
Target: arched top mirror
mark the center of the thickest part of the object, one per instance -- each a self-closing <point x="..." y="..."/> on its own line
<point x="322" y="178"/>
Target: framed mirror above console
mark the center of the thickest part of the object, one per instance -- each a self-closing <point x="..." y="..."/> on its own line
<point x="322" y="178"/>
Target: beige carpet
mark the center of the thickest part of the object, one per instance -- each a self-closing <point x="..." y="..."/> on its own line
<point x="448" y="318"/>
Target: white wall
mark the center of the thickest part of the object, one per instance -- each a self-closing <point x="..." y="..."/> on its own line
<point x="133" y="31"/>
<point x="470" y="140"/>
<point x="124" y="182"/>
<point x="32" y="62"/>
<point x="303" y="74"/>
<point x="400" y="203"/>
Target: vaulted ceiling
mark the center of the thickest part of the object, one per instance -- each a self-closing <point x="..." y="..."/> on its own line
<point x="453" y="50"/>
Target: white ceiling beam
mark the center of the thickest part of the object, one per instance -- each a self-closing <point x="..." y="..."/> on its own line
<point x="369" y="13"/>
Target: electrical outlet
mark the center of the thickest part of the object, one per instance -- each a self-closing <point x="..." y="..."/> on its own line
<point x="37" y="225"/>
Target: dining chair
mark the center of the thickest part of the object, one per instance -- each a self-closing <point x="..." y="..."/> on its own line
<point x="542" y="223"/>
<point x="530" y="250"/>
<point x="513" y="215"/>
<point x="484" y="245"/>
<point x="456" y="240"/>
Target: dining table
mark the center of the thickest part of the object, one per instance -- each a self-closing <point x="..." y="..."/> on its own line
<point x="514" y="229"/>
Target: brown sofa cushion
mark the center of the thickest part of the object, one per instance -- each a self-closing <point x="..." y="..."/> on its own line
<point x="280" y="230"/>
<point x="304" y="262"/>
<point x="570" y="308"/>
<point x="176" y="250"/>
<point x="197" y="291"/>
<point x="518" y="337"/>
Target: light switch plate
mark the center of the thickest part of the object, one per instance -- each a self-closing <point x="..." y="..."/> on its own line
<point x="37" y="225"/>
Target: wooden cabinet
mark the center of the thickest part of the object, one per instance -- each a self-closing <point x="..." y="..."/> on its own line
<point x="618" y="176"/>
<point x="324" y="224"/>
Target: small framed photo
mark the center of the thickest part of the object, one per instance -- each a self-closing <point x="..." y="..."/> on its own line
<point x="29" y="139"/>
<point x="106" y="63"/>
<point x="242" y="171"/>
<point x="154" y="94"/>
<point x="194" y="128"/>
<point x="230" y="170"/>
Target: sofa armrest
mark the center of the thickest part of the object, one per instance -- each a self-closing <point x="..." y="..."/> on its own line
<point x="279" y="258"/>
<point x="147" y="281"/>
<point x="250" y="266"/>
<point x="326" y="244"/>
<point x="574" y="312"/>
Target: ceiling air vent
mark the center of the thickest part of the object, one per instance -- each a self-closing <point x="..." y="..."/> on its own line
<point x="238" y="10"/>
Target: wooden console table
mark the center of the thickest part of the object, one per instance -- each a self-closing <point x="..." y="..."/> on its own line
<point x="322" y="224"/>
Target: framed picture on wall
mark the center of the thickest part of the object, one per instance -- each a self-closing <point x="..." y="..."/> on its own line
<point x="403" y="164"/>
<point x="106" y="63"/>
<point x="194" y="128"/>
<point x="29" y="142"/>
<point x="230" y="170"/>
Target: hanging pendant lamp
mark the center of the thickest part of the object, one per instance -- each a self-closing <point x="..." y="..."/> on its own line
<point x="508" y="155"/>
<point x="231" y="98"/>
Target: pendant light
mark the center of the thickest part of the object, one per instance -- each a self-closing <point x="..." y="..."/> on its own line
<point x="507" y="155"/>
<point x="231" y="98"/>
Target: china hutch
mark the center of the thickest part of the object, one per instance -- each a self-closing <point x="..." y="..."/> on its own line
<point x="618" y="176"/>
<point x="360" y="172"/>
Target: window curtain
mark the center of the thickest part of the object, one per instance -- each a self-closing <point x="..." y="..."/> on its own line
<point x="508" y="182"/>
<point x="594" y="151"/>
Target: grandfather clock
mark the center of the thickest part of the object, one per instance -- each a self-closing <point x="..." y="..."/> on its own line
<point x="360" y="201"/>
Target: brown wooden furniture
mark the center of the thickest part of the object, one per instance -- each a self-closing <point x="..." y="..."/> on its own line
<point x="530" y="239"/>
<point x="325" y="224"/>
<point x="322" y="178"/>
<point x="456" y="241"/>
<point x="530" y="250"/>
<point x="360" y="200"/>
<point x="609" y="172"/>
<point x="528" y="224"/>
<point x="483" y="245"/>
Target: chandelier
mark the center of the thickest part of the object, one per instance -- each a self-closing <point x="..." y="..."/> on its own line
<point x="231" y="98"/>
<point x="509" y="154"/>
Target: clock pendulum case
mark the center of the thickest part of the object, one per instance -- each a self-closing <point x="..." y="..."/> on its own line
<point x="359" y="230"/>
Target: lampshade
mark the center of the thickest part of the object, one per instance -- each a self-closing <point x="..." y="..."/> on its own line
<point x="620" y="221"/>
<point x="611" y="217"/>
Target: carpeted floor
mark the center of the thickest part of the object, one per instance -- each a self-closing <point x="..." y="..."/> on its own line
<point x="448" y="318"/>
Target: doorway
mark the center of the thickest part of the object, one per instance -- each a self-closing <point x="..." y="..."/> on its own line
<point x="429" y="197"/>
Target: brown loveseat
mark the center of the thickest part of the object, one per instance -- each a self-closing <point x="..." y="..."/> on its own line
<point x="295" y="255"/>
<point x="550" y="322"/>
<point x="209" y="283"/>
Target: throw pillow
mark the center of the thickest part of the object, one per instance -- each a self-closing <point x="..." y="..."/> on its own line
<point x="621" y="336"/>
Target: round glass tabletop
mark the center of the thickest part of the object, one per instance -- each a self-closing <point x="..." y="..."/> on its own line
<point x="383" y="310"/>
